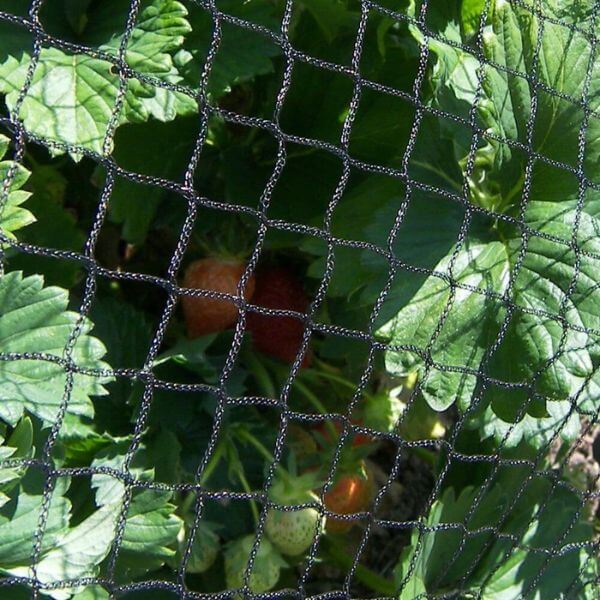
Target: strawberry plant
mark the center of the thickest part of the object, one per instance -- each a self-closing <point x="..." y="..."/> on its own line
<point x="299" y="297"/>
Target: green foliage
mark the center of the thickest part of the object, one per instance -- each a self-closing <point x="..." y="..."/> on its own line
<point x="446" y="558"/>
<point x="538" y="274"/>
<point x="73" y="548"/>
<point x="12" y="215"/>
<point x="34" y="320"/>
<point x="72" y="96"/>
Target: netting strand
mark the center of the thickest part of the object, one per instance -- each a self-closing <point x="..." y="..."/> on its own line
<point x="185" y="192"/>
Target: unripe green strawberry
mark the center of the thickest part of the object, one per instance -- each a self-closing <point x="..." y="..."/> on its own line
<point x="265" y="570"/>
<point x="292" y="532"/>
<point x="204" y="549"/>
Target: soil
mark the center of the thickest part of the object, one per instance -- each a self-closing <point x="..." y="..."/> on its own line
<point x="582" y="466"/>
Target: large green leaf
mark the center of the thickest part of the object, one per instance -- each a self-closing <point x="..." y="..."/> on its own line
<point x="504" y="108"/>
<point x="468" y="328"/>
<point x="19" y="445"/>
<point x="152" y="526"/>
<point x="551" y="343"/>
<point x="19" y="520"/>
<point x="54" y="227"/>
<point x="150" y="533"/>
<point x="140" y="148"/>
<point x="72" y="96"/>
<point x="69" y="553"/>
<point x="78" y="551"/>
<point x="35" y="319"/>
<point x="12" y="215"/>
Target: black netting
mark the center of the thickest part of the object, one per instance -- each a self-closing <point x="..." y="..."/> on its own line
<point x="482" y="550"/>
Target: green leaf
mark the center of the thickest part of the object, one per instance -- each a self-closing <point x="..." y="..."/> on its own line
<point x="79" y="439"/>
<point x="164" y="451"/>
<point x="152" y="527"/>
<point x="19" y="445"/>
<point x="469" y="327"/>
<point x="140" y="148"/>
<point x="70" y="553"/>
<point x="126" y="332"/>
<point x="34" y="318"/>
<point x="242" y="55"/>
<point x="551" y="281"/>
<point x="93" y="592"/>
<point x="12" y="215"/>
<point x="191" y="354"/>
<point x="509" y="41"/>
<point x="150" y="533"/>
<point x="79" y="551"/>
<point x="109" y="489"/>
<point x="19" y="520"/>
<point x="556" y="527"/>
<point x="331" y="16"/>
<point x="54" y="227"/>
<point x="72" y="96"/>
<point x="470" y="13"/>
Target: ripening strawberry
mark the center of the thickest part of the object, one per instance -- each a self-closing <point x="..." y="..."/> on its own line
<point x="210" y="315"/>
<point x="280" y="337"/>
<point x="351" y="493"/>
<point x="293" y="531"/>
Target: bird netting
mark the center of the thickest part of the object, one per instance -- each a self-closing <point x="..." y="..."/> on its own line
<point x="400" y="398"/>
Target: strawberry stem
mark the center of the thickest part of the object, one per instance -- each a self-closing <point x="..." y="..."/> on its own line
<point x="341" y="381"/>
<point x="213" y="462"/>
<point x="260" y="373"/>
<point x="318" y="405"/>
<point x="246" y="435"/>
<point x="242" y="477"/>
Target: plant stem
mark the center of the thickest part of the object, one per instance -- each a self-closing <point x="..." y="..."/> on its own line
<point x="248" y="489"/>
<point x="439" y="173"/>
<point x="261" y="374"/>
<point x="371" y="579"/>
<point x="342" y="381"/>
<point x="186" y="503"/>
<point x="246" y="435"/>
<point x="213" y="462"/>
<point x="325" y="366"/>
<point x="318" y="405"/>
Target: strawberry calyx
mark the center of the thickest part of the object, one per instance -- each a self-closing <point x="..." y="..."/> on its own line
<point x="290" y="491"/>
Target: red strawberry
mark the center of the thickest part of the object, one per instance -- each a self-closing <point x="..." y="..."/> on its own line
<point x="351" y="493"/>
<point x="208" y="315"/>
<point x="280" y="337"/>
